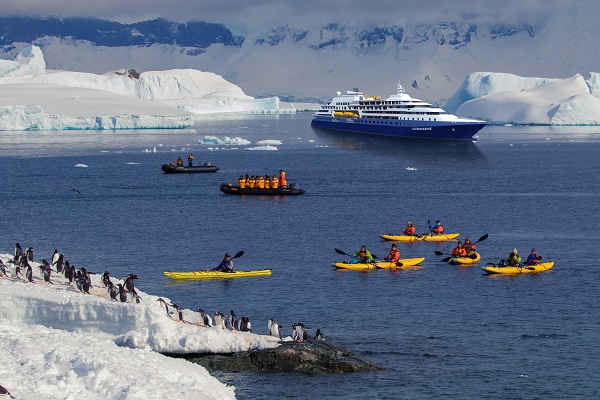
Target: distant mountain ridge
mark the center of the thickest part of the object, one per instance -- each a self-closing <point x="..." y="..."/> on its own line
<point x="311" y="63"/>
<point x="112" y="34"/>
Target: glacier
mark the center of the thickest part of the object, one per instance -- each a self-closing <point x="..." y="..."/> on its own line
<point x="34" y="98"/>
<point x="509" y="99"/>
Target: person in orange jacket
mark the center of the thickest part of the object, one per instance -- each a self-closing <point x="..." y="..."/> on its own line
<point x="410" y="229"/>
<point x="282" y="181"/>
<point x="190" y="159"/>
<point x="393" y="255"/>
<point x="438" y="229"/>
<point x="459" y="250"/>
<point x="274" y="182"/>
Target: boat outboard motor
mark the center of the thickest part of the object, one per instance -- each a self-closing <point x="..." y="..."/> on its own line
<point x="294" y="186"/>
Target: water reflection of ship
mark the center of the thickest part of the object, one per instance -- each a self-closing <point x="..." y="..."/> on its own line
<point x="460" y="154"/>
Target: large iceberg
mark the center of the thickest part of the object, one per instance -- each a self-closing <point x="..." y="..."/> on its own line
<point x="510" y="99"/>
<point x="33" y="98"/>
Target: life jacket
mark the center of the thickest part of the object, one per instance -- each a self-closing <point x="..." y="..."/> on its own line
<point x="393" y="255"/>
<point x="267" y="183"/>
<point x="242" y="183"/>
<point x="410" y="230"/>
<point x="274" y="182"/>
<point x="261" y="182"/>
<point x="282" y="181"/>
<point x="438" y="229"/>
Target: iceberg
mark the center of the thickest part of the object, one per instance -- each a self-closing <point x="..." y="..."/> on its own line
<point x="509" y="99"/>
<point x="85" y="333"/>
<point x="32" y="98"/>
<point x="224" y="141"/>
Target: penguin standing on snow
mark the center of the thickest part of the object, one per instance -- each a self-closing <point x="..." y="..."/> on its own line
<point x="59" y="263"/>
<point x="274" y="329"/>
<point x="300" y="333"/>
<point x="220" y="319"/>
<point x="29" y="253"/>
<point x="113" y="291"/>
<point x="235" y="323"/>
<point x="3" y="269"/>
<point x="245" y="325"/>
<point x="204" y="317"/>
<point x="165" y="305"/>
<point x="179" y="312"/>
<point x="106" y="278"/>
<point x="54" y="257"/>
<point x="18" y="250"/>
<point x="29" y="274"/>
<point x="122" y="293"/>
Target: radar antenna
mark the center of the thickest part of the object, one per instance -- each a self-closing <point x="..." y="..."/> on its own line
<point x="400" y="88"/>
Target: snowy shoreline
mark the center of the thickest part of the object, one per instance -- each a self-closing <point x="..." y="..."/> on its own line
<point x="83" y="333"/>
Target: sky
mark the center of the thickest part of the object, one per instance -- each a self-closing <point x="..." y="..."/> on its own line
<point x="258" y="12"/>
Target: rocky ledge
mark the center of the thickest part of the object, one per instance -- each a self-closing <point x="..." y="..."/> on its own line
<point x="313" y="357"/>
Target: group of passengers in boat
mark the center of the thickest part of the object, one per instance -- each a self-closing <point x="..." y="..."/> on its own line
<point x="262" y="181"/>
<point x="179" y="161"/>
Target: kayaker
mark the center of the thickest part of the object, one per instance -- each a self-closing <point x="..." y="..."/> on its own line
<point x="469" y="246"/>
<point x="363" y="256"/>
<point x="190" y="159"/>
<point x="226" y="265"/>
<point x="393" y="255"/>
<point x="459" y="250"/>
<point x="410" y="229"/>
<point x="438" y="229"/>
<point x="514" y="259"/>
<point x="282" y="181"/>
<point x="533" y="258"/>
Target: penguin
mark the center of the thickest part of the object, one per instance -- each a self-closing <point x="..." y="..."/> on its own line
<point x="129" y="284"/>
<point x="55" y="256"/>
<point x="218" y="319"/>
<point x="122" y="293"/>
<point x="274" y="329"/>
<point x="18" y="250"/>
<point x="179" y="312"/>
<point x="300" y="333"/>
<point x="66" y="269"/>
<point x="114" y="292"/>
<point x="245" y="325"/>
<point x="29" y="253"/>
<point x="235" y="323"/>
<point x="71" y="273"/>
<point x="109" y="286"/>
<point x="3" y="392"/>
<point x="205" y="317"/>
<point x="29" y="274"/>
<point x="106" y="279"/>
<point x="319" y="335"/>
<point x="3" y="268"/>
<point x="60" y="263"/>
<point x="165" y="305"/>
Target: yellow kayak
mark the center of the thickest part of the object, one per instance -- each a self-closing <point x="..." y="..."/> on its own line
<point x="425" y="238"/>
<point x="217" y="274"/>
<point x="523" y="269"/>
<point x="465" y="260"/>
<point x="406" y="262"/>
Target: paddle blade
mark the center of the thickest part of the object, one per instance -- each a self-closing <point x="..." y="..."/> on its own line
<point x="341" y="252"/>
<point x="472" y="256"/>
<point x="399" y="264"/>
<point x="239" y="254"/>
<point x="439" y="253"/>
<point x="481" y="239"/>
<point x="374" y="256"/>
<point x="446" y="259"/>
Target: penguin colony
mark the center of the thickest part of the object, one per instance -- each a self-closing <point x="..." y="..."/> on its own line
<point x="125" y="292"/>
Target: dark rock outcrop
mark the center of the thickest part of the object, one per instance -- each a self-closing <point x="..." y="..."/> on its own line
<point x="313" y="357"/>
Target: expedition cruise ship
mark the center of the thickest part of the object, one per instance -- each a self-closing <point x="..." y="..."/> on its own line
<point x="399" y="115"/>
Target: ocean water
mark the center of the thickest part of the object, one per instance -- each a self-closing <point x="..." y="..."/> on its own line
<point x="440" y="331"/>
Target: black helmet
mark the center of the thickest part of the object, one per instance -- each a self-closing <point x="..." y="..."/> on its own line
<point x="227" y="255"/>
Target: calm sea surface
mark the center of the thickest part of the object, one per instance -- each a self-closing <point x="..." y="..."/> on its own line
<point x="441" y="331"/>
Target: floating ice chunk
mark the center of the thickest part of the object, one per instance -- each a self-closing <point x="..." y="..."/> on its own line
<point x="262" y="148"/>
<point x="134" y="163"/>
<point x="80" y="166"/>
<point x="225" y="141"/>
<point x="311" y="141"/>
<point x="154" y="150"/>
<point x="411" y="169"/>
<point x="272" y="142"/>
